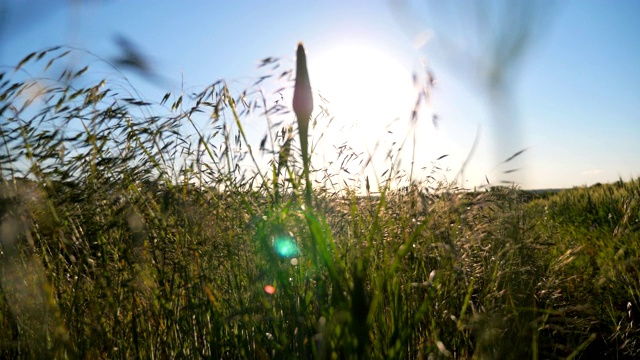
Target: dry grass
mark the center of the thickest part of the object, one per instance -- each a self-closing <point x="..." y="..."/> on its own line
<point x="129" y="234"/>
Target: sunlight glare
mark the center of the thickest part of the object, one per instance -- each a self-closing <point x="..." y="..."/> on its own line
<point x="372" y="95"/>
<point x="367" y="90"/>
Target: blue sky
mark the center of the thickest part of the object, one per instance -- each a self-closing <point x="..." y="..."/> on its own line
<point x="574" y="101"/>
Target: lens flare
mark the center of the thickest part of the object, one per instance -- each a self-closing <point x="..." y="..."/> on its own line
<point x="285" y="246"/>
<point x="269" y="289"/>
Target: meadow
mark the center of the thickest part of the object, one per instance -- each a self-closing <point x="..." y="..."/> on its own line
<point x="133" y="228"/>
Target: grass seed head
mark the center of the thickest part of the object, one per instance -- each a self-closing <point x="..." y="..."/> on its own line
<point x="302" y="96"/>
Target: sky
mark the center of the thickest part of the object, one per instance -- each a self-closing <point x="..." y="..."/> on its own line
<point x="569" y="94"/>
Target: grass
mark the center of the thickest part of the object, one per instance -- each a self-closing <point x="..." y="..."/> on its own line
<point x="128" y="234"/>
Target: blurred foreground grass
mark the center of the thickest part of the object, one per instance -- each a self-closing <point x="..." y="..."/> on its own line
<point x="127" y="234"/>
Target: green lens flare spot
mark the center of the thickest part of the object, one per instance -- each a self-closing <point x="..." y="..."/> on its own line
<point x="285" y="246"/>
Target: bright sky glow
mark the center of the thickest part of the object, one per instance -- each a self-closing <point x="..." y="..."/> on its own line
<point x="367" y="88"/>
<point x="575" y="96"/>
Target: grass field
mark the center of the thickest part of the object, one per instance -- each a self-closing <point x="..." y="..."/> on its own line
<point x="132" y="229"/>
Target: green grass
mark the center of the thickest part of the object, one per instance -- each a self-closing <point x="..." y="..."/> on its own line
<point x="139" y="229"/>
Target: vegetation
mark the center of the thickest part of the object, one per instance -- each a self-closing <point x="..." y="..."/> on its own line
<point x="128" y="234"/>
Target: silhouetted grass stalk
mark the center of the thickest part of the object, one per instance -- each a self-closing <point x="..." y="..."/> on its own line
<point x="303" y="107"/>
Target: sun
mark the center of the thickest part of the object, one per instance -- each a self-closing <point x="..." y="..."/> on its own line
<point x="367" y="89"/>
<point x="371" y="97"/>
